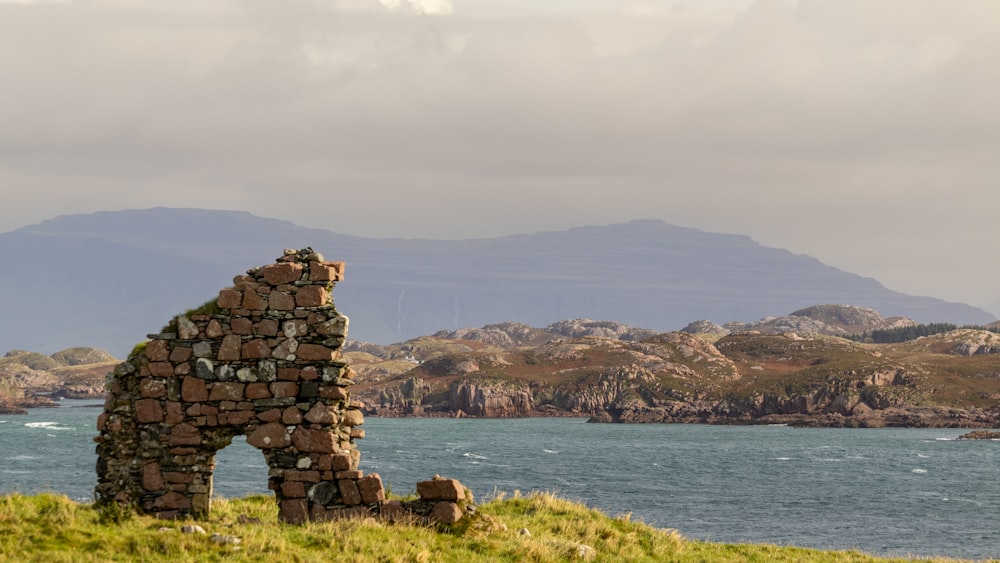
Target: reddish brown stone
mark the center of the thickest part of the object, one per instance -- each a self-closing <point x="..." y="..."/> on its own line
<point x="285" y="350"/>
<point x="323" y="462"/>
<point x="282" y="272"/>
<point x="213" y="329"/>
<point x="227" y="391"/>
<point x="294" y="328"/>
<point x="185" y="434"/>
<point x="161" y="369"/>
<point x="342" y="462"/>
<point x="257" y="391"/>
<point x="270" y="415"/>
<point x="242" y="326"/>
<point x="230" y="348"/>
<point x="282" y="389"/>
<point x="371" y="489"/>
<point x="349" y="474"/>
<point x="307" y="476"/>
<point x="446" y="513"/>
<point x="326" y="271"/>
<point x="312" y="296"/>
<point x="291" y="415"/>
<point x="309" y="373"/>
<point x="289" y="374"/>
<point x="270" y="435"/>
<point x="357" y="433"/>
<point x="208" y="409"/>
<point x="152" y="479"/>
<point x="293" y="489"/>
<point x="172" y="501"/>
<point x="320" y="414"/>
<point x="156" y="350"/>
<point x="180" y="354"/>
<point x="175" y="412"/>
<point x="314" y="441"/>
<point x="266" y="327"/>
<point x="227" y="405"/>
<point x="175" y="477"/>
<point x="182" y="369"/>
<point x="349" y="491"/>
<point x="229" y="299"/>
<point x="347" y="513"/>
<point x="152" y="388"/>
<point x="441" y="489"/>
<point x="255" y="349"/>
<point x="318" y="513"/>
<point x="235" y="418"/>
<point x="281" y="301"/>
<point x="353" y="417"/>
<point x="315" y="353"/>
<point x="333" y="392"/>
<point x="294" y="511"/>
<point x="194" y="389"/>
<point x="148" y="410"/>
<point x="253" y="301"/>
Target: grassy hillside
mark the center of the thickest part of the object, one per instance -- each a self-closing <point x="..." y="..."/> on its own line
<point x="52" y="528"/>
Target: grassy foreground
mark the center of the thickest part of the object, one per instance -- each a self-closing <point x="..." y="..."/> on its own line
<point x="52" y="528"/>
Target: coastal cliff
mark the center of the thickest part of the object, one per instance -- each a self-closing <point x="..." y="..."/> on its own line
<point x="31" y="379"/>
<point x="613" y="373"/>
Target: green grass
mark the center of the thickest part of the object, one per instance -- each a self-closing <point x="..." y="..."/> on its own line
<point x="52" y="528"/>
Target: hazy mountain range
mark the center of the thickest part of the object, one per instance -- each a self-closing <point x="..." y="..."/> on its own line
<point x="107" y="279"/>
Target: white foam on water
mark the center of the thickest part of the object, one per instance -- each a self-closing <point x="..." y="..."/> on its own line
<point x="783" y="459"/>
<point x="47" y="426"/>
<point x="550" y="451"/>
<point x="918" y="471"/>
<point x="923" y="456"/>
<point x="23" y="457"/>
<point x="471" y="455"/>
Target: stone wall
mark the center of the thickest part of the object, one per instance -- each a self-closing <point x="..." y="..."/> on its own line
<point x="262" y="360"/>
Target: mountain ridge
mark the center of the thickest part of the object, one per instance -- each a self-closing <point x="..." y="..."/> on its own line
<point x="108" y="278"/>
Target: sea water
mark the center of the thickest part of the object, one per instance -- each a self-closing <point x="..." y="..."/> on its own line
<point x="903" y="492"/>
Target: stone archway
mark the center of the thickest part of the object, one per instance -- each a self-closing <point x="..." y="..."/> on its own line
<point x="262" y="360"/>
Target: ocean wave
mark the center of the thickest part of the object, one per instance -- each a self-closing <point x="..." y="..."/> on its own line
<point x="47" y="426"/>
<point x="471" y="455"/>
<point x="918" y="471"/>
<point x="550" y="451"/>
<point x="783" y="459"/>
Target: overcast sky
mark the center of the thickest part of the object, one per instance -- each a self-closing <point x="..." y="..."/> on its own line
<point x="865" y="133"/>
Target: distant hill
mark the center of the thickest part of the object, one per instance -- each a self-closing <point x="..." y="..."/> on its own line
<point x="107" y="279"/>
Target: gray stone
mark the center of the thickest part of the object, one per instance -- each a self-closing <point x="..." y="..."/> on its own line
<point x="204" y="368"/>
<point x="202" y="349"/>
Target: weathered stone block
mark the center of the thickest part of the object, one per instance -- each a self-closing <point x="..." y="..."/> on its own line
<point x="241" y="326"/>
<point x="161" y="369"/>
<point x="293" y="489"/>
<point x="446" y="513"/>
<point x="312" y="296"/>
<point x="152" y="478"/>
<point x="320" y="414"/>
<point x="229" y="350"/>
<point x="271" y="435"/>
<point x="281" y="301"/>
<point x="286" y="349"/>
<point x="185" y="434"/>
<point x="255" y="349"/>
<point x="349" y="491"/>
<point x="371" y="488"/>
<point x="308" y="440"/>
<point x="180" y="354"/>
<point x="257" y="391"/>
<point x="194" y="390"/>
<point x="227" y="391"/>
<point x="266" y="327"/>
<point x="253" y="301"/>
<point x="315" y="353"/>
<point x="326" y="271"/>
<point x="336" y="326"/>
<point x="353" y="417"/>
<point x="213" y="329"/>
<point x="152" y="388"/>
<point x="156" y="351"/>
<point x="148" y="410"/>
<point x="281" y="273"/>
<point x="291" y="415"/>
<point x="441" y="489"/>
<point x="229" y="299"/>
<point x="172" y="501"/>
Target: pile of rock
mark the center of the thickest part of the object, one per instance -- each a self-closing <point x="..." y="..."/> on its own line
<point x="263" y="360"/>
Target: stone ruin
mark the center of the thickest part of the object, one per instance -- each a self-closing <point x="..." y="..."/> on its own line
<point x="263" y="360"/>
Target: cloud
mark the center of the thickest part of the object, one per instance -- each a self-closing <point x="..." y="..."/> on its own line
<point x="862" y="133"/>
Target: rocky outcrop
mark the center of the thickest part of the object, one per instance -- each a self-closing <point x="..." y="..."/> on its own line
<point x="31" y="379"/>
<point x="833" y="320"/>
<point x="579" y="328"/>
<point x="490" y="400"/>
